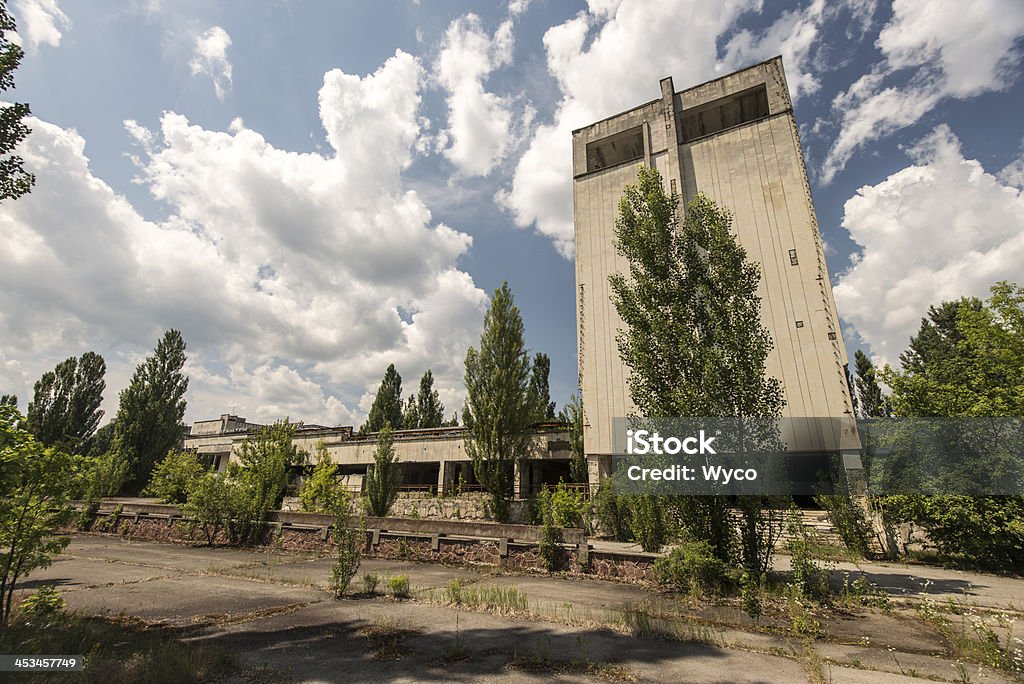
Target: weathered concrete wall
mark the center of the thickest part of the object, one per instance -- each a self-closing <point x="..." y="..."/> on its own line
<point x="755" y="170"/>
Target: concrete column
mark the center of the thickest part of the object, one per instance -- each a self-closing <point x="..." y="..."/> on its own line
<point x="519" y="483"/>
<point x="443" y="478"/>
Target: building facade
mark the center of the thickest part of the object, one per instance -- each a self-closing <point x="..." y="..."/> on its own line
<point x="432" y="459"/>
<point x="735" y="140"/>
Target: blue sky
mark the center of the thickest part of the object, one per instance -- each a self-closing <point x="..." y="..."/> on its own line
<point x="313" y="190"/>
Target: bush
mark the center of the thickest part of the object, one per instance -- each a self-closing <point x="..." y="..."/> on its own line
<point x="350" y="538"/>
<point x="45" y="604"/>
<point x="383" y="478"/>
<point x="260" y="478"/>
<point x="321" y="492"/>
<point x="550" y="546"/>
<point x="568" y="507"/>
<point x="398" y="586"/>
<point x="370" y="582"/>
<point x="173" y="475"/>
<point x="648" y="522"/>
<point x="984" y="532"/>
<point x="848" y="520"/>
<point x="213" y="503"/>
<point x="611" y="511"/>
<point x="692" y="566"/>
<point x="809" y="577"/>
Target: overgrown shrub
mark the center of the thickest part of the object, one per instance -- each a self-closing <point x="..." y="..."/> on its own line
<point x="370" y="582"/>
<point x="261" y="476"/>
<point x="383" y="478"/>
<point x="212" y="503"/>
<point x="611" y="511"/>
<point x="648" y="522"/>
<point x="848" y="520"/>
<point x="398" y="586"/>
<point x="173" y="475"/>
<point x="568" y="507"/>
<point x="321" y="492"/>
<point x="984" y="532"/>
<point x="809" y="577"/>
<point x="350" y="538"/>
<point x="43" y="605"/>
<point x="692" y="566"/>
<point x="550" y="545"/>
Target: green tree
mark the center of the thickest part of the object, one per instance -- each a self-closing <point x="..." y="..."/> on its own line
<point x="261" y="475"/>
<point x="14" y="180"/>
<point x="387" y="404"/>
<point x="410" y="414"/>
<point x="321" y="492"/>
<point x="148" y="422"/>
<point x="499" y="404"/>
<point x="429" y="409"/>
<point x="384" y="477"/>
<point x="9" y="400"/>
<point x="694" y="341"/>
<point x="572" y="416"/>
<point x="173" y="476"/>
<point x="349" y="538"/>
<point x="65" y="408"/>
<point x="967" y="359"/>
<point x="34" y="504"/>
<point x="539" y="385"/>
<point x="872" y="401"/>
<point x="851" y="387"/>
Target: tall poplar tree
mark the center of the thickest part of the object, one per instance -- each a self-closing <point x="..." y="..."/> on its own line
<point x="693" y="341"/>
<point x="387" y="404"/>
<point x="872" y="402"/>
<point x="541" y="388"/>
<point x="149" y="417"/>
<point x="65" y="407"/>
<point x="499" y="404"/>
<point x="429" y="409"/>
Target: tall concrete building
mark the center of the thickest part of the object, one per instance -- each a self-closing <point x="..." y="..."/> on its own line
<point x="735" y="140"/>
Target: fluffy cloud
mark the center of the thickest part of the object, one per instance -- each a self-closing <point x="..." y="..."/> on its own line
<point x="211" y="59"/>
<point x="792" y="35"/>
<point x="602" y="61"/>
<point x="903" y="268"/>
<point x="295" y="278"/>
<point x="953" y="49"/>
<point x="40" y="22"/>
<point x="479" y="122"/>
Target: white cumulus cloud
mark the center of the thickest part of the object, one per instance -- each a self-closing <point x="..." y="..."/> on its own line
<point x="211" y="59"/>
<point x="40" y="22"/>
<point x="294" y="277"/>
<point x="607" y="59"/>
<point x="479" y="122"/>
<point x="951" y="49"/>
<point x="940" y="229"/>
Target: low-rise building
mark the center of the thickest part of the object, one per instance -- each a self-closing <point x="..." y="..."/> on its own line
<point x="433" y="459"/>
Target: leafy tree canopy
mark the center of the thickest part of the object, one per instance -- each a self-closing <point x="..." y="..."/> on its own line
<point x="14" y="180"/>
<point x="65" y="408"/>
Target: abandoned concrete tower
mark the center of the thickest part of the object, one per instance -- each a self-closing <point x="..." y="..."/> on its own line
<point x="735" y="140"/>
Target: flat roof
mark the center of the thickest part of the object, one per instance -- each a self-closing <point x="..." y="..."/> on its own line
<point x="678" y="92"/>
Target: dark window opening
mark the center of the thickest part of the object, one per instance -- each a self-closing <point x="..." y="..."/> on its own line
<point x="799" y="324"/>
<point x="615" y="149"/>
<point x="724" y="113"/>
<point x="831" y="336"/>
<point x="792" y="258"/>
